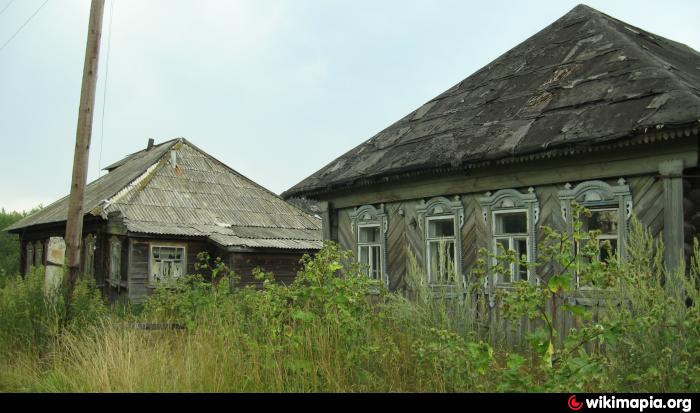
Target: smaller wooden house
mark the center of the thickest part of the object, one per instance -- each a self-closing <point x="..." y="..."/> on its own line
<point x="157" y="209"/>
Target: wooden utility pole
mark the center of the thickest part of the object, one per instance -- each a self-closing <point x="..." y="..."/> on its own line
<point x="74" y="225"/>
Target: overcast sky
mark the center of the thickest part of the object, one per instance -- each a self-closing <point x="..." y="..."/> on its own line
<point x="275" y="89"/>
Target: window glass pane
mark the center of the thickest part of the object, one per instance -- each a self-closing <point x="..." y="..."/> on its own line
<point x="30" y="256"/>
<point x="39" y="254"/>
<point x="604" y="220"/>
<point x="443" y="227"/>
<point x="605" y="252"/>
<point x="442" y="261"/>
<point x="369" y="234"/>
<point x="364" y="258"/>
<point x="520" y="252"/>
<point x="511" y="223"/>
<point x="376" y="268"/>
<point x="502" y="246"/>
<point x="167" y="263"/>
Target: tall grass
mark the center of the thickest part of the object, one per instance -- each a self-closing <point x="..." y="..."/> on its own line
<point x="325" y="333"/>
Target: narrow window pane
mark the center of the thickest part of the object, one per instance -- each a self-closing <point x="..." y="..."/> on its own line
<point x="511" y="223"/>
<point x="444" y="227"/>
<point x="364" y="258"/>
<point x="376" y="262"/>
<point x="520" y="253"/>
<point x="502" y="247"/>
<point x="605" y="252"/>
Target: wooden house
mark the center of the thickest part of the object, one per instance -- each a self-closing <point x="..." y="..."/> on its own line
<point x="157" y="209"/>
<point x="590" y="109"/>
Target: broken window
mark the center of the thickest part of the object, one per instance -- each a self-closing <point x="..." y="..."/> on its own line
<point x="370" y="250"/>
<point x="167" y="263"/>
<point x="115" y="260"/>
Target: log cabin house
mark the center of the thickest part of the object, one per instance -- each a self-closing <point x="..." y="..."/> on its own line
<point x="156" y="209"/>
<point x="590" y="109"/>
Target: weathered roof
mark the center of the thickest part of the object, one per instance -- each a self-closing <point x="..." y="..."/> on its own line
<point x="585" y="80"/>
<point x="200" y="197"/>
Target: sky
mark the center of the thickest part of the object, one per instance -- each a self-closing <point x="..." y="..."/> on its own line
<point x="276" y="89"/>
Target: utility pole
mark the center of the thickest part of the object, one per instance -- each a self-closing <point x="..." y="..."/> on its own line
<point x="74" y="225"/>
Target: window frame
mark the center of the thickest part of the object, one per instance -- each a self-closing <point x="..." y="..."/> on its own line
<point x="29" y="257"/>
<point x="367" y="216"/>
<point x="39" y="253"/>
<point x="511" y="240"/>
<point x="370" y="251"/>
<point x="441" y="208"/>
<point x="435" y="241"/>
<point x="115" y="278"/>
<point x="599" y="195"/>
<point x="151" y="246"/>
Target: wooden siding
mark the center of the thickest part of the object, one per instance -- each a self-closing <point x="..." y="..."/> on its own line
<point x="404" y="231"/>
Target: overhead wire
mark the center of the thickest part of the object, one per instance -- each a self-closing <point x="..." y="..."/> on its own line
<point x="104" y="94"/>
<point x="23" y="24"/>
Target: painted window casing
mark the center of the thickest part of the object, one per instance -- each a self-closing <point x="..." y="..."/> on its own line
<point x="39" y="254"/>
<point x="611" y="208"/>
<point x="167" y="262"/>
<point x="441" y="221"/>
<point x="88" y="255"/>
<point x="511" y="219"/>
<point x="369" y="226"/>
<point x="115" y="260"/>
<point x="29" y="258"/>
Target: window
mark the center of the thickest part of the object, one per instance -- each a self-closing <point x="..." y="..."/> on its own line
<point x="370" y="225"/>
<point x="604" y="220"/>
<point x="370" y="251"/>
<point x="39" y="254"/>
<point x="441" y="220"/>
<point x="89" y="255"/>
<point x="167" y="263"/>
<point x="29" y="258"/>
<point x="115" y="260"/>
<point x="511" y="217"/>
<point x="441" y="250"/>
<point x="511" y="234"/>
<point x="610" y="207"/>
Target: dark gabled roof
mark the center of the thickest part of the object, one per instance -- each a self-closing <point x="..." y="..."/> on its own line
<point x="200" y="197"/>
<point x="585" y="80"/>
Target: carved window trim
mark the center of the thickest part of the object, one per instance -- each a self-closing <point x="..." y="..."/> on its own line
<point x="152" y="279"/>
<point x="39" y="254"/>
<point x="511" y="200"/>
<point x="115" y="260"/>
<point x="442" y="207"/>
<point x="600" y="194"/>
<point x="371" y="216"/>
<point x="88" y="255"/>
<point x="29" y="257"/>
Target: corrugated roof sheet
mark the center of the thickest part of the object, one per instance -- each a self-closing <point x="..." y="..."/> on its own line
<point x="197" y="197"/>
<point x="585" y="80"/>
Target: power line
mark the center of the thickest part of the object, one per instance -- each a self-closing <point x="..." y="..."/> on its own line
<point x="104" y="94"/>
<point x="6" y="7"/>
<point x="23" y="24"/>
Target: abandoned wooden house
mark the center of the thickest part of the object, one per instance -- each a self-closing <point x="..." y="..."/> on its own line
<point x="589" y="110"/>
<point x="156" y="209"/>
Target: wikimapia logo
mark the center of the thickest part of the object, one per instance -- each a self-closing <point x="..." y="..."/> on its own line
<point x="605" y="402"/>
